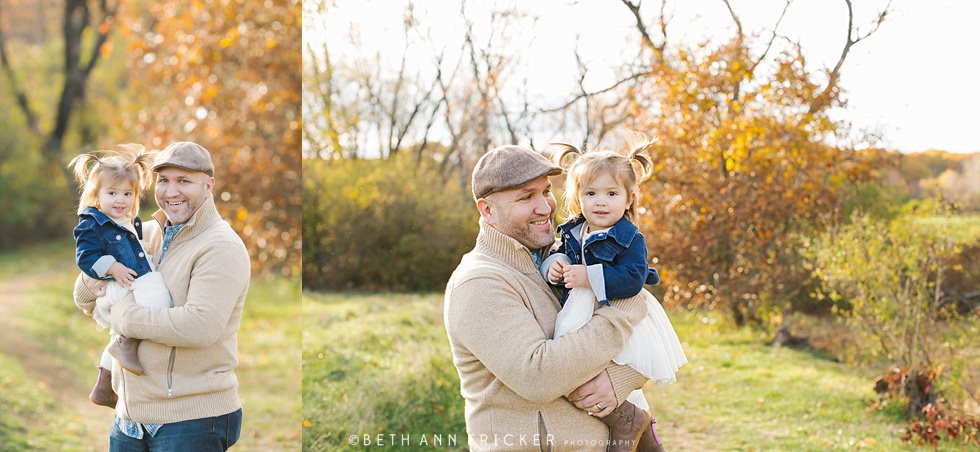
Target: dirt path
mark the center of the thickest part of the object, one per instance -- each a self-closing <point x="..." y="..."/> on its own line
<point x="71" y="392"/>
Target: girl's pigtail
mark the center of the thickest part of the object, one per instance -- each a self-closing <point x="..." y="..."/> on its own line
<point x="566" y="150"/>
<point x="144" y="162"/>
<point x="82" y="167"/>
<point x="640" y="155"/>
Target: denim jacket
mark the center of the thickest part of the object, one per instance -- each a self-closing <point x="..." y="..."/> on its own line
<point x="616" y="259"/>
<point x="101" y="242"/>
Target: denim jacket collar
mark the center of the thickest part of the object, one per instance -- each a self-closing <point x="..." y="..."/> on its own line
<point x="102" y="219"/>
<point x="623" y="232"/>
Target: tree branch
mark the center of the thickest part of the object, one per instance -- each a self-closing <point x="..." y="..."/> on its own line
<point x="772" y="38"/>
<point x="105" y="26"/>
<point x="641" y="26"/>
<point x="738" y="23"/>
<point x="584" y="94"/>
<point x="604" y="90"/>
<point x="822" y="99"/>
<point x="22" y="100"/>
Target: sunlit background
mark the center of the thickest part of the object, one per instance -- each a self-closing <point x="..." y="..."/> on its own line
<point x="816" y="186"/>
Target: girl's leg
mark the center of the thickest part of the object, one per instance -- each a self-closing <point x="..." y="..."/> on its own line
<point x="631" y="430"/>
<point x="149" y="290"/>
<point x="125" y="350"/>
<point x="627" y="424"/>
<point x="106" y="361"/>
<point x="102" y="393"/>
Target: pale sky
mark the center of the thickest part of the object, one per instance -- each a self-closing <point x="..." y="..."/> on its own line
<point x="915" y="81"/>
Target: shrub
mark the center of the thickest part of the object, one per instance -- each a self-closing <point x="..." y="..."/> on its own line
<point x="885" y="277"/>
<point x="391" y="225"/>
<point x="931" y="420"/>
<point x="36" y="204"/>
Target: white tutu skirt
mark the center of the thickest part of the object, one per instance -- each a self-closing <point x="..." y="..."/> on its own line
<point x="148" y="290"/>
<point x="653" y="350"/>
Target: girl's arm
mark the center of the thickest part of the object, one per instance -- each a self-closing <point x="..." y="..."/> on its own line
<point x="88" y="250"/>
<point x="550" y="261"/>
<point x="555" y="255"/>
<point x="624" y="276"/>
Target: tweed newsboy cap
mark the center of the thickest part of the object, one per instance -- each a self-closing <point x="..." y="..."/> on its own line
<point x="187" y="156"/>
<point x="507" y="167"/>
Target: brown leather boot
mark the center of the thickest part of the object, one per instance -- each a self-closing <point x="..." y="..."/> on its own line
<point x="649" y="442"/>
<point x="626" y="426"/>
<point x="102" y="393"/>
<point x="124" y="350"/>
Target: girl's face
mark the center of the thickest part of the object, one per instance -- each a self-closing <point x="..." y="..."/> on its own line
<point x="116" y="200"/>
<point x="604" y="201"/>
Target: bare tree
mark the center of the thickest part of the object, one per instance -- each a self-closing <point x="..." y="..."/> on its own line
<point x="358" y="108"/>
<point x="78" y="63"/>
<point x="854" y="36"/>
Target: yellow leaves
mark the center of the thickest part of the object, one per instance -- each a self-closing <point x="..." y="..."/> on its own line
<point x="871" y="441"/>
<point x="225" y="42"/>
<point x="307" y="423"/>
<point x="241" y="214"/>
<point x="105" y="49"/>
<point x="209" y="93"/>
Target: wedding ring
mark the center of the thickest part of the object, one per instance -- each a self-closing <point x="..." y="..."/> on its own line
<point x="590" y="413"/>
<point x="599" y="407"/>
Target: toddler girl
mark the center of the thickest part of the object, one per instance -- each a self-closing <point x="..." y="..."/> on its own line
<point x="602" y="256"/>
<point x="107" y="247"/>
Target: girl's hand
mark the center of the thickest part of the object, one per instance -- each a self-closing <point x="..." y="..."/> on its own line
<point x="576" y="276"/>
<point x="556" y="270"/>
<point x="122" y="274"/>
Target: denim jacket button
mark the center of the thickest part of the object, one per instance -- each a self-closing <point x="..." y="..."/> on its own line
<point x="141" y="254"/>
<point x="118" y="237"/>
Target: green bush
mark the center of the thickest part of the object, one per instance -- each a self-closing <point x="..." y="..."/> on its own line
<point x="391" y="225"/>
<point x="886" y="277"/>
<point x="36" y="203"/>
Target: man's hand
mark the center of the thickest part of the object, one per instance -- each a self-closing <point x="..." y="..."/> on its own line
<point x="576" y="276"/>
<point x="96" y="286"/>
<point x="596" y="396"/>
<point x="122" y="274"/>
<point x="556" y="270"/>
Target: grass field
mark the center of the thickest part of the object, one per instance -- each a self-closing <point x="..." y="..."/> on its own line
<point x="380" y="364"/>
<point x="269" y="343"/>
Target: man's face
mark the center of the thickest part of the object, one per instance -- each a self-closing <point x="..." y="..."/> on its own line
<point x="524" y="213"/>
<point x="179" y="193"/>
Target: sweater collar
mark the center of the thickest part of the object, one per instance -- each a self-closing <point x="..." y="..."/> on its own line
<point x="498" y="245"/>
<point x="204" y="217"/>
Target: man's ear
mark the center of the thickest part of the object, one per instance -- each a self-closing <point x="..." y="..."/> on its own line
<point x="486" y="210"/>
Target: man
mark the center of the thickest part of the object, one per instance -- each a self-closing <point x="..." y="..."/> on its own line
<point x="500" y="317"/>
<point x="187" y="398"/>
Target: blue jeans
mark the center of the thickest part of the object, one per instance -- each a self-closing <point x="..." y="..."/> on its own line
<point x="206" y="434"/>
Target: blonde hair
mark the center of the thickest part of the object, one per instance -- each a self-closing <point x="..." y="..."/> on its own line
<point x="629" y="170"/>
<point x="129" y="164"/>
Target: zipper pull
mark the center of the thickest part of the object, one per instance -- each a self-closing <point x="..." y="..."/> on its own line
<point x="170" y="393"/>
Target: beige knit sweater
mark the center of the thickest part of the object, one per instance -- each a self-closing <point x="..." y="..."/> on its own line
<point x="190" y="351"/>
<point x="500" y="317"/>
